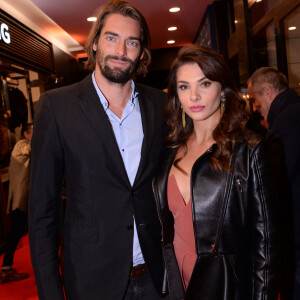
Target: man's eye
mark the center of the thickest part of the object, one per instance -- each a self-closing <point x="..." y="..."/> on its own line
<point x="110" y="38"/>
<point x="133" y="43"/>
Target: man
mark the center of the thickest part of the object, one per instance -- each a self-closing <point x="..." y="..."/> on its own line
<point x="280" y="106"/>
<point x="103" y="137"/>
<point x="17" y="202"/>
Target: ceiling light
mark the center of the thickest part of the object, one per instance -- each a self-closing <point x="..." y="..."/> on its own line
<point x="258" y="0"/>
<point x="174" y="9"/>
<point x="235" y="21"/>
<point x="172" y="28"/>
<point x="171" y="42"/>
<point x="292" y="28"/>
<point x="92" y="19"/>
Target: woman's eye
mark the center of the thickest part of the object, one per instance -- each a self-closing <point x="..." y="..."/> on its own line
<point x="182" y="87"/>
<point x="205" y="83"/>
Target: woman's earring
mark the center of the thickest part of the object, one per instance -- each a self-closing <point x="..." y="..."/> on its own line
<point x="222" y="104"/>
<point x="183" y="117"/>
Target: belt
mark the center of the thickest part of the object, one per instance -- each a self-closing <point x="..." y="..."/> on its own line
<point x="138" y="270"/>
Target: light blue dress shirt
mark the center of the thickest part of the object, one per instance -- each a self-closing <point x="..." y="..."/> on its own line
<point x="129" y="135"/>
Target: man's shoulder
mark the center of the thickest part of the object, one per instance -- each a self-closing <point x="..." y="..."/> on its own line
<point x="146" y="90"/>
<point x="68" y="89"/>
<point x="22" y="142"/>
<point x="20" y="145"/>
<point x="290" y="113"/>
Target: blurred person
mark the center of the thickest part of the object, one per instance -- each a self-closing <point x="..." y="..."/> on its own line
<point x="7" y="139"/>
<point x="280" y="107"/>
<point x="213" y="190"/>
<point x="19" y="169"/>
<point x="103" y="138"/>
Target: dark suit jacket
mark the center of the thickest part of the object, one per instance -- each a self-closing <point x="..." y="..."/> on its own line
<point x="284" y="129"/>
<point x="73" y="139"/>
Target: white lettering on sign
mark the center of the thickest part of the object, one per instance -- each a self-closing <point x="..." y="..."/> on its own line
<point x="4" y="34"/>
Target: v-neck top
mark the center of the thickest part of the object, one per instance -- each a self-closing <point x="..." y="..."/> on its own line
<point x="184" y="239"/>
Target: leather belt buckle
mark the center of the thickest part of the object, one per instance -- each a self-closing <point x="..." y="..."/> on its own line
<point x="138" y="270"/>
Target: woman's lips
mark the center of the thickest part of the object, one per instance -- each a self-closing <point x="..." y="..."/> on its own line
<point x="197" y="108"/>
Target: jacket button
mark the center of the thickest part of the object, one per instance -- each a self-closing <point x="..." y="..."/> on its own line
<point x="133" y="192"/>
<point x="130" y="226"/>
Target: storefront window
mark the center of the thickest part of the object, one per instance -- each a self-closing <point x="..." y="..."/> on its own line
<point x="259" y="8"/>
<point x="291" y="25"/>
<point x="264" y="44"/>
<point x="18" y="93"/>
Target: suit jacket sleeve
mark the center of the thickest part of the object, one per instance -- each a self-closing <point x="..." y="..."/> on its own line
<point x="264" y="233"/>
<point x="46" y="176"/>
<point x="287" y="130"/>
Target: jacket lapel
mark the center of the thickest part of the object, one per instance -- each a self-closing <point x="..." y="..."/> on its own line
<point x="94" y="112"/>
<point x="148" y="122"/>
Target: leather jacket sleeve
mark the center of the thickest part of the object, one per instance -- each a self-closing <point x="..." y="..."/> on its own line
<point x="264" y="235"/>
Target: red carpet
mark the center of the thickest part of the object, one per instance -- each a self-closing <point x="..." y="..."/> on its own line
<point x="24" y="289"/>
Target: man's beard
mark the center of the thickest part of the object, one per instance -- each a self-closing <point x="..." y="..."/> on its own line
<point x="116" y="75"/>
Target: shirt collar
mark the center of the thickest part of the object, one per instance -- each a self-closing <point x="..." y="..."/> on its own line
<point x="103" y="100"/>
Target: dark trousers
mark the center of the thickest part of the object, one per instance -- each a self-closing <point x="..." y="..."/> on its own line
<point x="142" y="288"/>
<point x="297" y="280"/>
<point x="18" y="222"/>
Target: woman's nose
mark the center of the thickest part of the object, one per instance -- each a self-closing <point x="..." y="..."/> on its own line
<point x="194" y="95"/>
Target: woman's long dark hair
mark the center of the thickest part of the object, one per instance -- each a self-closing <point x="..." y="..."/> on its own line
<point x="232" y="123"/>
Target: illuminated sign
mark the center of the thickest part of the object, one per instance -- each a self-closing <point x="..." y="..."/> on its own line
<point x="4" y="34"/>
<point x="22" y="46"/>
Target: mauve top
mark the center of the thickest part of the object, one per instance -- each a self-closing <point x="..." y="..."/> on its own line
<point x="184" y="239"/>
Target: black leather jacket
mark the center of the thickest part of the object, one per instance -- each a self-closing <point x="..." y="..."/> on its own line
<point x="234" y="226"/>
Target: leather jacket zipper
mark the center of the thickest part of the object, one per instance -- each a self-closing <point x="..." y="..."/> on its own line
<point x="239" y="185"/>
<point x="215" y="245"/>
<point x="214" y="250"/>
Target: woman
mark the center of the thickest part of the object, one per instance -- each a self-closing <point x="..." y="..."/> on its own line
<point x="213" y="192"/>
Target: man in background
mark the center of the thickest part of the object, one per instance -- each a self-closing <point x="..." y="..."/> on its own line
<point x="280" y="106"/>
<point x="103" y="138"/>
<point x="17" y="202"/>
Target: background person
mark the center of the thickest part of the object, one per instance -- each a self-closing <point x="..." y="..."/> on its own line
<point x="280" y="106"/>
<point x="17" y="202"/>
<point x="103" y="137"/>
<point x="215" y="185"/>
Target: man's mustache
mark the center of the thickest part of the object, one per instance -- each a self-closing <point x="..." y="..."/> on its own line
<point x="118" y="58"/>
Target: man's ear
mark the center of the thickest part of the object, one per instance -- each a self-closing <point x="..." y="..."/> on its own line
<point x="268" y="90"/>
<point x="142" y="55"/>
<point x="95" y="45"/>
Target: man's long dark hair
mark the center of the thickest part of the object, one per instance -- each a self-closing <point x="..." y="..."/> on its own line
<point x="126" y="9"/>
<point x="232" y="123"/>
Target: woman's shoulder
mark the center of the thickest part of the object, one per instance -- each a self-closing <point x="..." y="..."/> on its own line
<point x="252" y="139"/>
<point x="252" y="144"/>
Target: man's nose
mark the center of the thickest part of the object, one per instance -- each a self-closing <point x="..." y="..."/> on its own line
<point x="255" y="104"/>
<point x="121" y="48"/>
